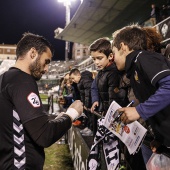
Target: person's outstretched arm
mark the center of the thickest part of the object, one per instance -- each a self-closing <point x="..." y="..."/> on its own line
<point x="45" y="131"/>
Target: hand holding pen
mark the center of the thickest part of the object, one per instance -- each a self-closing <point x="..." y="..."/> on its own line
<point x="121" y="111"/>
<point x="129" y="114"/>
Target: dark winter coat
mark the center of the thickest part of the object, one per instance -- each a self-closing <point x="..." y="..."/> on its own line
<point x="145" y="70"/>
<point x="84" y="87"/>
<point x="108" y="81"/>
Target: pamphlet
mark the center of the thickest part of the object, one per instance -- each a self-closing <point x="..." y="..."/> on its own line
<point x="131" y="134"/>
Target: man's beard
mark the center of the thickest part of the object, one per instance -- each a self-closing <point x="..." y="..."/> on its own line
<point x="35" y="69"/>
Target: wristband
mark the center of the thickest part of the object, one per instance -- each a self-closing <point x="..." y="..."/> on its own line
<point x="72" y="113"/>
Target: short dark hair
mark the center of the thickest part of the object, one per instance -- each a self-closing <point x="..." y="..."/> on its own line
<point x="29" y="41"/>
<point x="102" y="45"/>
<point x="74" y="71"/>
<point x="132" y="36"/>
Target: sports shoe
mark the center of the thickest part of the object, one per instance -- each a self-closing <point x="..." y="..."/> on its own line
<point x="76" y="123"/>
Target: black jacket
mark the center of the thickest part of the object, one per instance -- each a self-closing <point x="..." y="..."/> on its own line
<point x="84" y="87"/>
<point x="108" y="81"/>
<point x="76" y="93"/>
<point x="144" y="71"/>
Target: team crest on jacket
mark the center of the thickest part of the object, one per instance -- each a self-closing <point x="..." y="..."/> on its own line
<point x="136" y="77"/>
<point x="34" y="99"/>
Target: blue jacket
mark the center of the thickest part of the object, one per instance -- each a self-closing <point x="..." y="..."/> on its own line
<point x="94" y="92"/>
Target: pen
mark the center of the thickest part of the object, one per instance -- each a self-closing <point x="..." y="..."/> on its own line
<point x="120" y="114"/>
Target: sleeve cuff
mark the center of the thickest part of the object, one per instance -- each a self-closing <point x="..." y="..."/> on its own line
<point x="139" y="110"/>
<point x="72" y="113"/>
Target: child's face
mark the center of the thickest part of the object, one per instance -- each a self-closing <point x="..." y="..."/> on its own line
<point x="75" y="78"/>
<point x="100" y="59"/>
<point x="119" y="58"/>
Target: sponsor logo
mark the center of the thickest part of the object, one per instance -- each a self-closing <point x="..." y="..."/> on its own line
<point x="136" y="77"/>
<point x="34" y="99"/>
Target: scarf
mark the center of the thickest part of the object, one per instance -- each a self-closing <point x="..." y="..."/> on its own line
<point x="109" y="144"/>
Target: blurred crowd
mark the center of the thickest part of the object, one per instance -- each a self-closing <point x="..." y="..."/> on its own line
<point x="158" y="14"/>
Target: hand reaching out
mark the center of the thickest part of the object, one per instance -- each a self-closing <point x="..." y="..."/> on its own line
<point x="95" y="104"/>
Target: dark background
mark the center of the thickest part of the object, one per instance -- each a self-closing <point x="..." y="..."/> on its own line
<point x="36" y="16"/>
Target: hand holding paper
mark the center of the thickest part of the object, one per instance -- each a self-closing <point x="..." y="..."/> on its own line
<point x="129" y="115"/>
<point x="121" y="113"/>
<point x="130" y="134"/>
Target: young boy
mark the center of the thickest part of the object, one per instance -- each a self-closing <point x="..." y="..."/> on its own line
<point x="149" y="76"/>
<point x="105" y="89"/>
<point x="84" y="81"/>
<point x="108" y="77"/>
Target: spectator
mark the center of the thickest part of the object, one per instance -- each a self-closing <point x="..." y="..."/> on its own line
<point x="153" y="39"/>
<point x="108" y="77"/>
<point x="76" y="93"/>
<point x="59" y="98"/>
<point x="84" y="81"/>
<point x="164" y="12"/>
<point x="168" y="7"/>
<point x="105" y="89"/>
<point x="65" y="93"/>
<point x="137" y="157"/>
<point x="149" y="81"/>
<point x="155" y="15"/>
